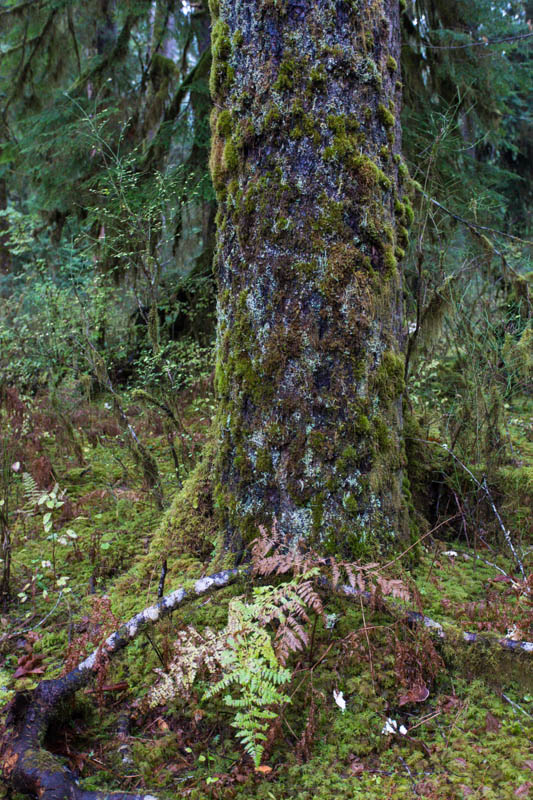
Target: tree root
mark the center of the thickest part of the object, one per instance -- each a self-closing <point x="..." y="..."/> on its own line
<point x="26" y="766"/>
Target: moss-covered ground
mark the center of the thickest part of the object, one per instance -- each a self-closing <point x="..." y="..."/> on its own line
<point x="471" y="737"/>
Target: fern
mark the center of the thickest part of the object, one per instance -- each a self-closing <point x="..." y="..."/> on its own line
<point x="32" y="493"/>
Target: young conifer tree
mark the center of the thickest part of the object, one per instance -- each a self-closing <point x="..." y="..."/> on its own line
<point x="312" y="226"/>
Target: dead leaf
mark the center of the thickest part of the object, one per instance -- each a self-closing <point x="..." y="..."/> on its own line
<point x="356" y="765"/>
<point x="417" y="694"/>
<point x="29" y="664"/>
<point x="529" y="764"/>
<point x="492" y="723"/>
<point x="9" y="763"/>
<point x="524" y="790"/>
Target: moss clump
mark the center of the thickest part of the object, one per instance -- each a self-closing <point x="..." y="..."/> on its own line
<point x="237" y="38"/>
<point x="286" y="76"/>
<point x="224" y="124"/>
<point x="389" y="380"/>
<point x="388" y="121"/>
<point x="392" y="64"/>
<point x="403" y="236"/>
<point x="347" y="460"/>
<point x="317" y="76"/>
<point x="409" y="213"/>
<point x="222" y="74"/>
<point x="272" y="118"/>
<point x="368" y="173"/>
<point x="362" y="426"/>
<point x="390" y="261"/>
<point x="381" y="435"/>
<point x="231" y="157"/>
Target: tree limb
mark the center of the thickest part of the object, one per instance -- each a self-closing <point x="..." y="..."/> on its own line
<point x="26" y="766"/>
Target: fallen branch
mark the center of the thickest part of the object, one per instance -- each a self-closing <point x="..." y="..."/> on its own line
<point x="459" y="639"/>
<point x="26" y="766"/>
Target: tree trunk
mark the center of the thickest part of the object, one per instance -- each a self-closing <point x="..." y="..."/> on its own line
<point x="311" y="227"/>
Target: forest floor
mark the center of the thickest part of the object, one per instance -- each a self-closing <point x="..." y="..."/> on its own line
<point x="466" y="710"/>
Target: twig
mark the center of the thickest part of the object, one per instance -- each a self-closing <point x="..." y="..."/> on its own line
<point x="515" y="705"/>
<point x="484" y="488"/>
<point x="479" y="43"/>
<point x="161" y="587"/>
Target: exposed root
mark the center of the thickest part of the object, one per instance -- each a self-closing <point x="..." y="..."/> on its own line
<point x="26" y="766"/>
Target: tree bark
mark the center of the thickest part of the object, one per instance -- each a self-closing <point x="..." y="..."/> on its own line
<point x="311" y="227"/>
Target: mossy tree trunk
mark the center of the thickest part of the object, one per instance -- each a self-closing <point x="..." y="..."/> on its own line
<point x="312" y="224"/>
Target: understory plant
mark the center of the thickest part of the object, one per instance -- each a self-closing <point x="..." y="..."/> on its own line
<point x="247" y="662"/>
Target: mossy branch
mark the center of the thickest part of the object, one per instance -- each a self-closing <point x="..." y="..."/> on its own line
<point x="26" y="766"/>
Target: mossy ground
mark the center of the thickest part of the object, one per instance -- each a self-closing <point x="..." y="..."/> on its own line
<point x="467" y="739"/>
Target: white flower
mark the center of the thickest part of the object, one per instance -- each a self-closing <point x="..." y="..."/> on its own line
<point x="339" y="699"/>
<point x="391" y="726"/>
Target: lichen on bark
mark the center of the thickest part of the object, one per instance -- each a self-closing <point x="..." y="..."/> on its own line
<point x="312" y="224"/>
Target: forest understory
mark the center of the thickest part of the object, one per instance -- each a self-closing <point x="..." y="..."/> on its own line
<point x="425" y="714"/>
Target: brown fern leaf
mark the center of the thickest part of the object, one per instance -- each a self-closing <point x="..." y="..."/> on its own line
<point x="288" y="641"/>
<point x="303" y="746"/>
<point x="310" y="597"/>
<point x="396" y="588"/>
<point x="350" y="575"/>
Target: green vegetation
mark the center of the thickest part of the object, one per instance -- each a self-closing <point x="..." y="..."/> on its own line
<point x="112" y="401"/>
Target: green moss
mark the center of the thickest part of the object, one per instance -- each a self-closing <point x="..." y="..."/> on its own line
<point x="349" y="502"/>
<point x="392" y="64"/>
<point x="403" y="171"/>
<point x="388" y="121"/>
<point x="381" y="435"/>
<point x="389" y="260"/>
<point x="317" y="509"/>
<point x="389" y="378"/>
<point x="403" y="236"/>
<point x="347" y="460"/>
<point x="222" y="74"/>
<point x="286" y="76"/>
<point x="231" y="157"/>
<point x="272" y="118"/>
<point x="362" y="426"/>
<point x="368" y="173"/>
<point x="224" y="124"/>
<point x="409" y="213"/>
<point x="237" y="38"/>
<point x="317" y="76"/>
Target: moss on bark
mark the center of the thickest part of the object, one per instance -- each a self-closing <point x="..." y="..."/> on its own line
<point x="312" y="224"/>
